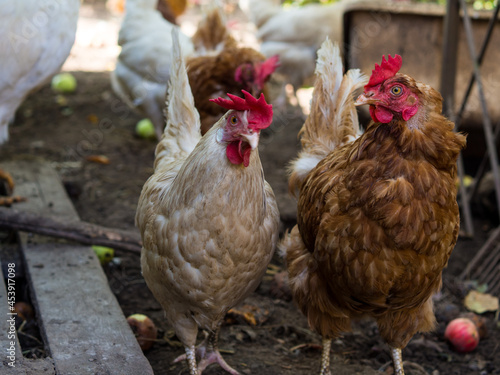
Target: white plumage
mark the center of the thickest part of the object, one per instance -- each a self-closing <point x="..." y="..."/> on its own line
<point x="332" y="111"/>
<point x="37" y="37"/>
<point x="295" y="34"/>
<point x="143" y="67"/>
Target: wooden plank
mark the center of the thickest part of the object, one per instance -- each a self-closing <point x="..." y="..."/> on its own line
<point x="12" y="361"/>
<point x="81" y="321"/>
<point x="40" y="183"/>
<point x="8" y="337"/>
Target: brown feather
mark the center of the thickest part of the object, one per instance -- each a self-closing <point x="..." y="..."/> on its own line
<point x="212" y="71"/>
<point x="377" y="221"/>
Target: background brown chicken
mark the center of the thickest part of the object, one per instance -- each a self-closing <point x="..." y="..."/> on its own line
<point x="377" y="216"/>
<point x="208" y="219"/>
<point x="216" y="64"/>
<point x="221" y="67"/>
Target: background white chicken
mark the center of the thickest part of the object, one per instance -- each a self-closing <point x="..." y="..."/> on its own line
<point x="142" y="70"/>
<point x="37" y="37"/>
<point x="295" y="34"/>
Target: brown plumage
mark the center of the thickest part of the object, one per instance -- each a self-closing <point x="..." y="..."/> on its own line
<point x="207" y="217"/>
<point x="377" y="216"/>
<point x="220" y="66"/>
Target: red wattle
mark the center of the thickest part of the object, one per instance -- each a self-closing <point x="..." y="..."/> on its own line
<point x="382" y="115"/>
<point x="239" y="152"/>
<point x="233" y="154"/>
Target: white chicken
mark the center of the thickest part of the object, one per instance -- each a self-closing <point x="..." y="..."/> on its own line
<point x="208" y="218"/>
<point x="295" y="34"/>
<point x="142" y="70"/>
<point x="37" y="37"/>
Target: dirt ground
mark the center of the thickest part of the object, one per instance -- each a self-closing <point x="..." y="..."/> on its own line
<point x="66" y="130"/>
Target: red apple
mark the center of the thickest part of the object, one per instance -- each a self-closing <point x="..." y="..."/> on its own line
<point x="462" y="334"/>
<point x="144" y="330"/>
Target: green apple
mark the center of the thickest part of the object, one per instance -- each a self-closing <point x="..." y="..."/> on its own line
<point x="145" y="129"/>
<point x="63" y="83"/>
<point x="104" y="254"/>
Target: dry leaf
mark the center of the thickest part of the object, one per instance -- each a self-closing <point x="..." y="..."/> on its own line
<point x="93" y="119"/>
<point x="480" y="302"/>
<point x="99" y="159"/>
<point x="249" y="314"/>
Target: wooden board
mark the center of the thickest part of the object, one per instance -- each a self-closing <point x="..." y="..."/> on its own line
<point x="8" y="337"/>
<point x="80" y="319"/>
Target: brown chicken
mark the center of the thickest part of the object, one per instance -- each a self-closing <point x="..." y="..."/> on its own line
<point x="208" y="219"/>
<point x="217" y="66"/>
<point x="377" y="214"/>
<point x="221" y="66"/>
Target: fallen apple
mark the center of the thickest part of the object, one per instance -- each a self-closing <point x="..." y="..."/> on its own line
<point x="63" y="83"/>
<point x="104" y="254"/>
<point x="145" y="129"/>
<point x="462" y="334"/>
<point x="144" y="330"/>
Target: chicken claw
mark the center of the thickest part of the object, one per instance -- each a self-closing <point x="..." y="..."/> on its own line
<point x="208" y="352"/>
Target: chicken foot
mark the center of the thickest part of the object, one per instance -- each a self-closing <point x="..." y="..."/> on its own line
<point x="325" y="357"/>
<point x="8" y="201"/>
<point x="208" y="352"/>
<point x="397" y="358"/>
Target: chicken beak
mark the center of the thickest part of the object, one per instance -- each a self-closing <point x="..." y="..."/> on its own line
<point x="252" y="139"/>
<point x="366" y="98"/>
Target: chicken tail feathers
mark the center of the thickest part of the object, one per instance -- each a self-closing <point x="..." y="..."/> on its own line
<point x="333" y="120"/>
<point x="309" y="291"/>
<point x="212" y="34"/>
<point x="182" y="132"/>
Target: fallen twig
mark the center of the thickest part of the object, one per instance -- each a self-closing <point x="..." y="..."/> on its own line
<point x="79" y="231"/>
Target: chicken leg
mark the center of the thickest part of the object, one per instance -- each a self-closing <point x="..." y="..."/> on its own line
<point x="8" y="201"/>
<point x="208" y="352"/>
<point x="325" y="357"/>
<point x="397" y="358"/>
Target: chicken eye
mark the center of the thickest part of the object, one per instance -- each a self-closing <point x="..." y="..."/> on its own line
<point x="396" y="90"/>
<point x="234" y="120"/>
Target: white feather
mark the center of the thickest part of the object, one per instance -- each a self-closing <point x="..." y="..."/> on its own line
<point x="333" y="120"/>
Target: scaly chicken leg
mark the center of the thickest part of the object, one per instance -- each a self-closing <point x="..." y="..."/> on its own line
<point x="397" y="358"/>
<point x="325" y="357"/>
<point x="8" y="201"/>
<point x="208" y="352"/>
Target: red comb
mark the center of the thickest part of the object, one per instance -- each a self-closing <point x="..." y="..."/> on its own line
<point x="267" y="68"/>
<point x="387" y="69"/>
<point x="260" y="113"/>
